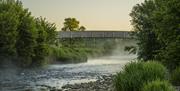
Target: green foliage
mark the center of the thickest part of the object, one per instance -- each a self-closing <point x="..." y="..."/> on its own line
<point x="46" y="36"/>
<point x="131" y="49"/>
<point x="175" y="77"/>
<point x="82" y="28"/>
<point x="77" y="50"/>
<point x="156" y="27"/>
<point x="26" y="41"/>
<point x="158" y="85"/>
<point x="170" y="55"/>
<point x="135" y="74"/>
<point x="167" y="27"/>
<point x="41" y="53"/>
<point x="91" y="47"/>
<point x="143" y="26"/>
<point x="71" y="24"/>
<point x="69" y="55"/>
<point x="22" y="37"/>
<point x="49" y="28"/>
<point x="8" y="26"/>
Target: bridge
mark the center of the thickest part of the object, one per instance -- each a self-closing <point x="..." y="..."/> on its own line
<point x="94" y="34"/>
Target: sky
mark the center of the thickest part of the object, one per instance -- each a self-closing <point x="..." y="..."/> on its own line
<point x="93" y="14"/>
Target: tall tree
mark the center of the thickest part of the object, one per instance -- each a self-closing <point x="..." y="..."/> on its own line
<point x="8" y="34"/>
<point x="167" y="27"/>
<point x="9" y="22"/>
<point x="71" y="24"/>
<point x="49" y="28"/>
<point x="143" y="30"/>
<point x="26" y="41"/>
<point x="157" y="29"/>
<point x="22" y="37"/>
<point x="45" y="38"/>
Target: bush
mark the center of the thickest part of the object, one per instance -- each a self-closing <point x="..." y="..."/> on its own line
<point x="69" y="55"/>
<point x="175" y="77"/>
<point x="135" y="74"/>
<point x="158" y="86"/>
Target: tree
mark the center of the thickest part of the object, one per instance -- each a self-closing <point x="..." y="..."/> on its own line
<point x="8" y="25"/>
<point x="41" y="49"/>
<point x="167" y="27"/>
<point x="26" y="41"/>
<point x="82" y="28"/>
<point x="71" y="24"/>
<point x="23" y="37"/>
<point x="46" y="36"/>
<point x="157" y="29"/>
<point x="49" y="28"/>
<point x="143" y="30"/>
<point x="8" y="34"/>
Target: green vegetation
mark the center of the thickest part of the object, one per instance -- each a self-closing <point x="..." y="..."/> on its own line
<point x="175" y="77"/>
<point x="69" y="55"/>
<point x="78" y="50"/>
<point x="24" y="40"/>
<point x="143" y="26"/>
<point x="158" y="85"/>
<point x="135" y="74"/>
<point x="71" y="24"/>
<point x="30" y="42"/>
<point x="91" y="47"/>
<point x="156" y="27"/>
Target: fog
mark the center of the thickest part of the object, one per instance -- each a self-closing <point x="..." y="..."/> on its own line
<point x="57" y="75"/>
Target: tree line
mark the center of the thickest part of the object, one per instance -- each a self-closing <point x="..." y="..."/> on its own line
<point x="24" y="39"/>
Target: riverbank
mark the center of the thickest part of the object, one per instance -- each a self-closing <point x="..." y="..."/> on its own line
<point x="105" y="83"/>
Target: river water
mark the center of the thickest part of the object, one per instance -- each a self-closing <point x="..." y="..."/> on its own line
<point x="59" y="75"/>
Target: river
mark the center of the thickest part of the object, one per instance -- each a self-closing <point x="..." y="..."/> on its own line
<point x="58" y="75"/>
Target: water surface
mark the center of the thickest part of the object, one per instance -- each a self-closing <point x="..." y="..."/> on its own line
<point x="60" y="74"/>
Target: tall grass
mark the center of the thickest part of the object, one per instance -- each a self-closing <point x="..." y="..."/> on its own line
<point x="175" y="77"/>
<point x="135" y="74"/>
<point x="158" y="86"/>
<point x="69" y="55"/>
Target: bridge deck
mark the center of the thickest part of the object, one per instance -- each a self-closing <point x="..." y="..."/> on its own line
<point x="94" y="34"/>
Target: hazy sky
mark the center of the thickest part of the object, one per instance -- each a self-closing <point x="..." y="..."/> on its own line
<point x="93" y="14"/>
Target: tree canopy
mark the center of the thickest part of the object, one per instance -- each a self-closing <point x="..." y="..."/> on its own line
<point x="71" y="24"/>
<point x="157" y="29"/>
<point x="23" y="39"/>
<point x="143" y="29"/>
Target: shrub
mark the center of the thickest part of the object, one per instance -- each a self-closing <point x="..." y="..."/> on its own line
<point x="135" y="74"/>
<point x="69" y="55"/>
<point x="158" y="86"/>
<point x="175" y="77"/>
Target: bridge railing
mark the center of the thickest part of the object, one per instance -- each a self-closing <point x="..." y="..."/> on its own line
<point x="94" y="34"/>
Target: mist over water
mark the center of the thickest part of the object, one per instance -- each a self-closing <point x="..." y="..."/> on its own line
<point x="57" y="75"/>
